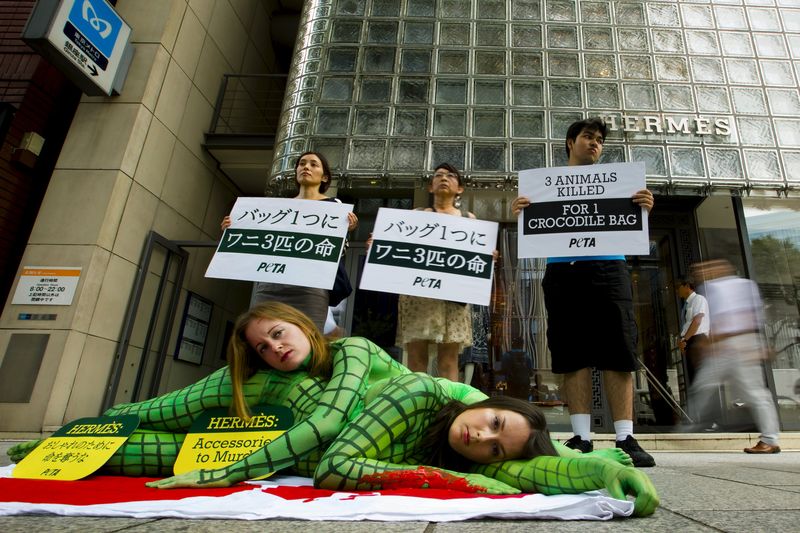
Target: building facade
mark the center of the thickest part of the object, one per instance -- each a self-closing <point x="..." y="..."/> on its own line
<point x="705" y="93"/>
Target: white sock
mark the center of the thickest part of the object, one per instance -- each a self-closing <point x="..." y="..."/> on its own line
<point x="581" y="424"/>
<point x="623" y="428"/>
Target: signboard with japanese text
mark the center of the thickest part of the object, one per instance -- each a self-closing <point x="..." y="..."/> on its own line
<point x="77" y="449"/>
<point x="434" y="255"/>
<point x="46" y="285"/>
<point x="279" y="240"/>
<point x="217" y="439"/>
<point x="583" y="211"/>
<point x="86" y="39"/>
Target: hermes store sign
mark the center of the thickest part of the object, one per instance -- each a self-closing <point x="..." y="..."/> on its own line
<point x="669" y="125"/>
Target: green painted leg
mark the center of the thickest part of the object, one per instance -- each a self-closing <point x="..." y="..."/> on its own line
<point x="175" y="411"/>
<point x="153" y="453"/>
<point x="146" y="453"/>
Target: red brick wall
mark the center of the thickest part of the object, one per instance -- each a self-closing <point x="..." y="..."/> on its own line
<point x="45" y="102"/>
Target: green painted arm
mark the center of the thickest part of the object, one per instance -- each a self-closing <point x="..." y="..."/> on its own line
<point x="355" y="361"/>
<point x="176" y="410"/>
<point x="381" y="447"/>
<point x="572" y="475"/>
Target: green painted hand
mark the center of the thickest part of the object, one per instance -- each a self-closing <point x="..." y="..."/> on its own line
<point x="487" y="485"/>
<point x="628" y="480"/>
<point x="18" y="452"/>
<point x="193" y="479"/>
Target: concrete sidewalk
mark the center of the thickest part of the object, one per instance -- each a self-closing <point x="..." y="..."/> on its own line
<point x="700" y="491"/>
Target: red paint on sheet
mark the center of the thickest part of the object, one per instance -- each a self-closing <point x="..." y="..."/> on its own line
<point x="422" y="477"/>
<point x="98" y="490"/>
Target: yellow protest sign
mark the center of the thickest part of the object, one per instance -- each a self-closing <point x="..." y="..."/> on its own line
<point x="217" y="439"/>
<point x="77" y="449"/>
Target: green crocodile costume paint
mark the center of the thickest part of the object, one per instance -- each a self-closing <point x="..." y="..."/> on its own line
<point x="401" y="406"/>
<point x="382" y="448"/>
<point x="320" y="409"/>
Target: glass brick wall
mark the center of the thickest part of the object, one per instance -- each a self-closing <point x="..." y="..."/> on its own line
<point x="390" y="88"/>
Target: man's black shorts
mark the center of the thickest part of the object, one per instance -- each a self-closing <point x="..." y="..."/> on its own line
<point x="590" y="320"/>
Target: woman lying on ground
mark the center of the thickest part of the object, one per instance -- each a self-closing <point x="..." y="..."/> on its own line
<point x="276" y="356"/>
<point x="496" y="446"/>
<point x="279" y="336"/>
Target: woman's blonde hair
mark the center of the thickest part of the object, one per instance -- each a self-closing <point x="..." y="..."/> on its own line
<point x="243" y="361"/>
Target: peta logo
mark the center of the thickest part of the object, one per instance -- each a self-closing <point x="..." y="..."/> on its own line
<point x="583" y="242"/>
<point x="103" y="27"/>
<point x="428" y="283"/>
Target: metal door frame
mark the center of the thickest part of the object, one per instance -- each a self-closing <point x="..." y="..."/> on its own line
<point x="176" y="256"/>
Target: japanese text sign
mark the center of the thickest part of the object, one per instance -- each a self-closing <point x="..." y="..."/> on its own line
<point x="434" y="255"/>
<point x="42" y="285"/>
<point x="583" y="211"/>
<point x="278" y="240"/>
<point x="77" y="449"/>
<point x="217" y="439"/>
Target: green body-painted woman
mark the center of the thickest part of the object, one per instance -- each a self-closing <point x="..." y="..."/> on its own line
<point x="269" y="362"/>
<point x="285" y="340"/>
<point x="413" y="423"/>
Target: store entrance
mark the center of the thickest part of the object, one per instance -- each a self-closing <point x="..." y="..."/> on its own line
<point x="661" y="385"/>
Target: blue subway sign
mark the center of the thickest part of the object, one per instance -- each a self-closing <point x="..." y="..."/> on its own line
<point x="86" y="39"/>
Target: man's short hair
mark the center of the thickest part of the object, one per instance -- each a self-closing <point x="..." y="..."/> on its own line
<point x="686" y="282"/>
<point x="592" y="124"/>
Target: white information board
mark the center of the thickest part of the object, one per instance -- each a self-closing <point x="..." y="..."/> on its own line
<point x="280" y="240"/>
<point x="434" y="255"/>
<point x="583" y="211"/>
<point x="46" y="285"/>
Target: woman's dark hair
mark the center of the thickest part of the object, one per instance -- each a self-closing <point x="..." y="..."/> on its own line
<point x="443" y="456"/>
<point x="326" y="169"/>
<point x="593" y="124"/>
<point x="450" y="168"/>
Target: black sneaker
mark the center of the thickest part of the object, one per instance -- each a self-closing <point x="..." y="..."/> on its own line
<point x="577" y="443"/>
<point x="641" y="458"/>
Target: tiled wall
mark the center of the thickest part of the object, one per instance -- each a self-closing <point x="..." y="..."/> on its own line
<point x="390" y="86"/>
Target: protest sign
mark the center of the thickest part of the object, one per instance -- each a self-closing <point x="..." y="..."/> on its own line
<point x="583" y="211"/>
<point x="421" y="253"/>
<point x="77" y="449"/>
<point x="217" y="438"/>
<point x="279" y="240"/>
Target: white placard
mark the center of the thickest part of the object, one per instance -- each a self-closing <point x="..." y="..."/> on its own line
<point x="46" y="285"/>
<point x="421" y="253"/>
<point x="583" y="211"/>
<point x="279" y="240"/>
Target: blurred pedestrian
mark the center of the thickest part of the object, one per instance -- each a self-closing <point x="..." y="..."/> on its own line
<point x="694" y="326"/>
<point x="736" y="350"/>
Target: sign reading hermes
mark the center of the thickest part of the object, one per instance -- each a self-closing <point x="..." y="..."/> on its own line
<point x="669" y="124"/>
<point x="86" y="39"/>
<point x="583" y="210"/>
